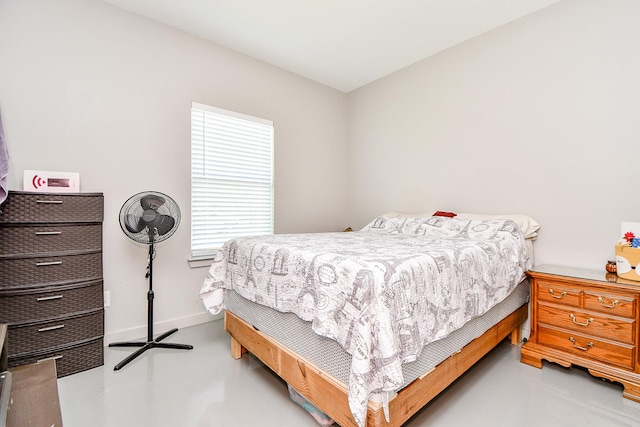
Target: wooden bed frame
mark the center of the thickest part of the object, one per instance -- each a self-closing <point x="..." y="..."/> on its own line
<point x="331" y="395"/>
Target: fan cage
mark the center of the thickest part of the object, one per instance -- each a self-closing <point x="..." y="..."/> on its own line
<point x="132" y="214"/>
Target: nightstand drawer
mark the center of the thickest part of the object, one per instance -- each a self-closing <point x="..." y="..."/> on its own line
<point x="596" y="324"/>
<point x="43" y="271"/>
<point x="558" y="294"/>
<point x="54" y="333"/>
<point x="588" y="347"/>
<point x="18" y="241"/>
<point x="610" y="304"/>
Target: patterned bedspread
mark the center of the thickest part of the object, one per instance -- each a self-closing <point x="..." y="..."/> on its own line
<point x="383" y="292"/>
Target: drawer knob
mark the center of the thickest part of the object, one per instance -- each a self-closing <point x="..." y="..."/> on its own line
<point x="553" y="295"/>
<point x="49" y="202"/>
<point x="48" y="233"/>
<point x="573" y="319"/>
<point x="614" y="304"/>
<point x="44" y="264"/>
<point x="573" y="341"/>
<point x="49" y="298"/>
<point x="51" y="328"/>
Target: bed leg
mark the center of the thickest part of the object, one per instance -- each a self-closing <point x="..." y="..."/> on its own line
<point x="516" y="336"/>
<point x="236" y="349"/>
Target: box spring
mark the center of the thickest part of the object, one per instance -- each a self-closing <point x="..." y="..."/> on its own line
<point x="296" y="335"/>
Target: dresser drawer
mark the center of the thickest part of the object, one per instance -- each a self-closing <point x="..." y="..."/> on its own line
<point x="558" y="294"/>
<point x="23" y="207"/>
<point x="610" y="304"/>
<point x="596" y="324"/>
<point x="32" y="337"/>
<point x="22" y="306"/>
<point x="589" y="347"/>
<point x="18" y="241"/>
<point x="40" y="271"/>
<point x="69" y="359"/>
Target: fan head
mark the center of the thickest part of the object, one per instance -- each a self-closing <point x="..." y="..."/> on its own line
<point x="149" y="217"/>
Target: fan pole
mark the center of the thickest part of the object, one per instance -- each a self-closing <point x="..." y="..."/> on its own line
<point x="150" y="343"/>
<point x="152" y="251"/>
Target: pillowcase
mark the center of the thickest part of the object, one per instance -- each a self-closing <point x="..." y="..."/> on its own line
<point x="528" y="225"/>
<point x="420" y="215"/>
<point x="408" y="215"/>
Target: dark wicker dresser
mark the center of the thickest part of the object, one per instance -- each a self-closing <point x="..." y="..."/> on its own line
<point x="51" y="279"/>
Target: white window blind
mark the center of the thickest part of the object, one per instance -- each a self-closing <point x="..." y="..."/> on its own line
<point x="231" y="177"/>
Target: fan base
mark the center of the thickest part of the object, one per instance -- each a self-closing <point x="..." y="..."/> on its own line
<point x="147" y="346"/>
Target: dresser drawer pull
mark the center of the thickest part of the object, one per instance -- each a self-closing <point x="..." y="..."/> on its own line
<point x="612" y="305"/>
<point x="573" y="319"/>
<point x="50" y="328"/>
<point x="50" y="358"/>
<point x="49" y="298"/>
<point x="50" y="202"/>
<point x="44" y="264"/>
<point x="562" y="295"/>
<point x="589" y="345"/>
<point x="48" y="233"/>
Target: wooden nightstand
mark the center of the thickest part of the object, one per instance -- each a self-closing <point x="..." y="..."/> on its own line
<point x="579" y="317"/>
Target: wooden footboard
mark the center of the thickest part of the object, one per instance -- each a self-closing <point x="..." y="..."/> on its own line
<point x="330" y="395"/>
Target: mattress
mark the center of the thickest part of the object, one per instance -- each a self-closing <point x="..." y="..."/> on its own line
<point x="326" y="354"/>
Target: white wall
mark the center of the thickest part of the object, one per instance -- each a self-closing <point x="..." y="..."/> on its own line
<point x="89" y="88"/>
<point x="540" y="116"/>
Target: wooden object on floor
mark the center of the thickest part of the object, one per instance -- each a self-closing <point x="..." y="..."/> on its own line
<point x="4" y="353"/>
<point x="589" y="319"/>
<point x="51" y="290"/>
<point x="331" y="395"/>
<point x="34" y="396"/>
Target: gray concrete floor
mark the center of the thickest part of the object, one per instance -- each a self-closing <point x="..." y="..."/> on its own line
<point x="207" y="387"/>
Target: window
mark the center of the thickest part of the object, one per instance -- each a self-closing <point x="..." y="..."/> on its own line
<point x="231" y="178"/>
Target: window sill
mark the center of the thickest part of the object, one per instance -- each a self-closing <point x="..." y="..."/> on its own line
<point x="200" y="262"/>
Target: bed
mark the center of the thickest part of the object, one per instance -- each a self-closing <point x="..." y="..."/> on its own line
<point x="369" y="326"/>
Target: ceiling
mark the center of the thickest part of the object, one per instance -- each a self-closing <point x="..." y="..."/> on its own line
<point x="343" y="44"/>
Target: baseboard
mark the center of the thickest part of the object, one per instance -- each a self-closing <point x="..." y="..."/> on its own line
<point x="140" y="332"/>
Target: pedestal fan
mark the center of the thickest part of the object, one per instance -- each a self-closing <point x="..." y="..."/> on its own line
<point x="149" y="217"/>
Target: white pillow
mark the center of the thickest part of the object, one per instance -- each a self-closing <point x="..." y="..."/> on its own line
<point x="528" y="225"/>
<point x="409" y="215"/>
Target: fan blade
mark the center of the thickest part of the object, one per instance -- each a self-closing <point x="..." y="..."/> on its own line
<point x="151" y="201"/>
<point x="163" y="223"/>
<point x="134" y="223"/>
